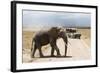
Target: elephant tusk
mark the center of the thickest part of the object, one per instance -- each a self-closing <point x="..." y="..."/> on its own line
<point x="68" y="42"/>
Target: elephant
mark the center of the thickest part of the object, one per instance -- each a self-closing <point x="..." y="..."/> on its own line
<point x="49" y="36"/>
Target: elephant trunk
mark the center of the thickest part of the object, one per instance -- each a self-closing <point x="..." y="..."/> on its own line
<point x="64" y="37"/>
<point x="66" y="44"/>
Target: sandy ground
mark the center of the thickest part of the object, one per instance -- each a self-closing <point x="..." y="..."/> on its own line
<point x="78" y="49"/>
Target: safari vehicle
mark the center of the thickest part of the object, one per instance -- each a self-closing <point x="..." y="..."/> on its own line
<point x="72" y="33"/>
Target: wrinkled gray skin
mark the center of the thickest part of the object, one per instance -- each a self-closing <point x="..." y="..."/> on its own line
<point x="49" y="37"/>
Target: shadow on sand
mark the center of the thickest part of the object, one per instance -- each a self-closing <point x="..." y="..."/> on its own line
<point x="54" y="57"/>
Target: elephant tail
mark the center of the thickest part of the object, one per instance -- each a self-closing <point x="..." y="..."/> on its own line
<point x="32" y="45"/>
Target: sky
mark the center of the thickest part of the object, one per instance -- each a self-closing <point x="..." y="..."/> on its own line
<point x="48" y="18"/>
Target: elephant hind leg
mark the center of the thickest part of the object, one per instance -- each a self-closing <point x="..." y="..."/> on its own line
<point x="39" y="48"/>
<point x="40" y="51"/>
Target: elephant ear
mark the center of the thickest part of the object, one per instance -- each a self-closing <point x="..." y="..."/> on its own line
<point x="62" y="33"/>
<point x="54" y="31"/>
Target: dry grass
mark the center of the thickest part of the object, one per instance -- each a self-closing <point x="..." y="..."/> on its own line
<point x="27" y="39"/>
<point x="86" y="35"/>
<point x="28" y="35"/>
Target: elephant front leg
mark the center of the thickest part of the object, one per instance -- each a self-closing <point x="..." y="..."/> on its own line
<point x="52" y="52"/>
<point x="54" y="47"/>
<point x="65" y="50"/>
<point x="57" y="49"/>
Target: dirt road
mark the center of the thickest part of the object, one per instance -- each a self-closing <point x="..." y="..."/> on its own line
<point x="77" y="50"/>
